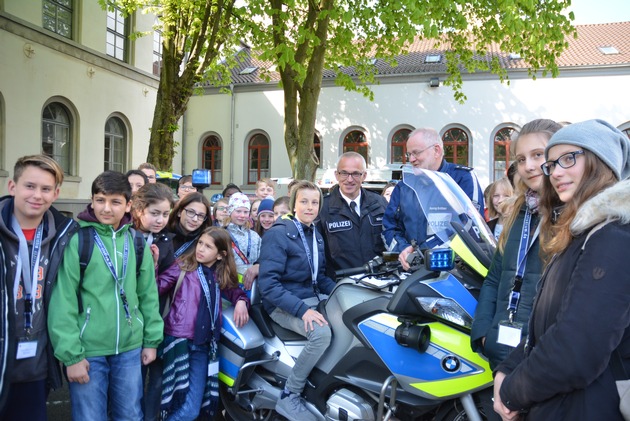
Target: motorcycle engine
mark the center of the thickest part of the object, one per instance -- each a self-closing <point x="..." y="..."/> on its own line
<point x="346" y="405"/>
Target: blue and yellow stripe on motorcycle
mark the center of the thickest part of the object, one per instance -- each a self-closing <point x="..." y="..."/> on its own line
<point x="423" y="372"/>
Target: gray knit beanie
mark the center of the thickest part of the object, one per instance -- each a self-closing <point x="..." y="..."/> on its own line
<point x="604" y="140"/>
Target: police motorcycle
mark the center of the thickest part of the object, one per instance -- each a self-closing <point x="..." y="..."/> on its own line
<point x="400" y="348"/>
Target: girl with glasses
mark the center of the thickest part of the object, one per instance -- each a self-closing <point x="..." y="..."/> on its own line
<point x="579" y="336"/>
<point x="188" y="219"/>
<point x="219" y="212"/>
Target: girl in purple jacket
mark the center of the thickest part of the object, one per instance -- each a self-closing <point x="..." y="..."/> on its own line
<point x="193" y="324"/>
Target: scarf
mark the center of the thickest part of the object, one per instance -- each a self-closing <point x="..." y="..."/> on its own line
<point x="531" y="201"/>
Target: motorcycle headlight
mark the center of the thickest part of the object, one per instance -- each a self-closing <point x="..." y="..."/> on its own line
<point x="447" y="309"/>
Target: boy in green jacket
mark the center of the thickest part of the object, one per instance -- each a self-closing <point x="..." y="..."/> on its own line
<point x="120" y="327"/>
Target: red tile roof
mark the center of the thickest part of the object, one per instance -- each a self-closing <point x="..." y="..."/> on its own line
<point x="583" y="51"/>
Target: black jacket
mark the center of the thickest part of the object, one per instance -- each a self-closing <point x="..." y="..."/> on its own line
<point x="495" y="293"/>
<point x="57" y="232"/>
<point x="351" y="241"/>
<point x="580" y="317"/>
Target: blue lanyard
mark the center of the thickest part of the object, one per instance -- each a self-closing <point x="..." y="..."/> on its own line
<point x="214" y="315"/>
<point x="183" y="248"/>
<point x="521" y="262"/>
<point x="313" y="260"/>
<point x="114" y="270"/>
<point x="29" y="275"/>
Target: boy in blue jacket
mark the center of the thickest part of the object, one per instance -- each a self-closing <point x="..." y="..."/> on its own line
<point x="120" y="327"/>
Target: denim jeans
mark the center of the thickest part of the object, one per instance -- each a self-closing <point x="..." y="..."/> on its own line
<point x="197" y="379"/>
<point x="120" y="375"/>
<point x="152" y="376"/>
<point x="318" y="342"/>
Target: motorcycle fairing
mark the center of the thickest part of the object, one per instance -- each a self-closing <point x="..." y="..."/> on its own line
<point x="449" y="287"/>
<point x="423" y="373"/>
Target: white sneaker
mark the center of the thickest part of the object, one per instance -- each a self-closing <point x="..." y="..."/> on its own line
<point x="292" y="408"/>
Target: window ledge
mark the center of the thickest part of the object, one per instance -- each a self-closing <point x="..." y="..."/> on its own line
<point x="4" y="173"/>
<point x="72" y="178"/>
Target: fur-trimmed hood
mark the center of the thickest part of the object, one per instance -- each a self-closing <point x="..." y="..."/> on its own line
<point x="612" y="204"/>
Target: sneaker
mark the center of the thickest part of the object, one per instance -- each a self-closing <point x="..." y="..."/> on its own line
<point x="292" y="408"/>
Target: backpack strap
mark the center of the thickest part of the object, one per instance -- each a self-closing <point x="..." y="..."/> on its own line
<point x="86" y="247"/>
<point x="171" y="297"/>
<point x="138" y="244"/>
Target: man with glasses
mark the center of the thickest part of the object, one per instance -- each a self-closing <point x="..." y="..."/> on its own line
<point x="150" y="171"/>
<point x="351" y="218"/>
<point x="403" y="220"/>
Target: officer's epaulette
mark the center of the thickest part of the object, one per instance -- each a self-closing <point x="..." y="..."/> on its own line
<point x="463" y="167"/>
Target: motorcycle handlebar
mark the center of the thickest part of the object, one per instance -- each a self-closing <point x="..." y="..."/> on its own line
<point x="342" y="273"/>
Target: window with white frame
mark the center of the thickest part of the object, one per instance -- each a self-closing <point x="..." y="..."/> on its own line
<point x="117" y="34"/>
<point x="57" y="134"/>
<point x="115" y="156"/>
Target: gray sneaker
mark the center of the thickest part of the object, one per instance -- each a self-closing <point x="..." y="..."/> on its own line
<point x="292" y="408"/>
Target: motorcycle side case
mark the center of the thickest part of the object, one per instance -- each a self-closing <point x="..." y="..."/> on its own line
<point x="237" y="346"/>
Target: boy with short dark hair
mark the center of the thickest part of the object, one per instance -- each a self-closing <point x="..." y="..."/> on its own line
<point x="33" y="236"/>
<point x="120" y="325"/>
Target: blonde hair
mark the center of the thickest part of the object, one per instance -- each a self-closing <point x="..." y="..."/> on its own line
<point x="43" y="162"/>
<point x="505" y="184"/>
<point x="543" y="126"/>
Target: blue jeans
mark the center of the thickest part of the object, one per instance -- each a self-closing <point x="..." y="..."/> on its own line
<point x="197" y="379"/>
<point x="121" y="377"/>
<point x="318" y="342"/>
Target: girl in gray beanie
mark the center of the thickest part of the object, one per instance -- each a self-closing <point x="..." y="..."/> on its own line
<point x="579" y="337"/>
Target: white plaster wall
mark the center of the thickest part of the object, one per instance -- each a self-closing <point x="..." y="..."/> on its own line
<point x="490" y="104"/>
<point x="27" y="83"/>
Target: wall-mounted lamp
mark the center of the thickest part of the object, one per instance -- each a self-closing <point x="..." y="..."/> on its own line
<point x="434" y="82"/>
<point x="145" y="91"/>
<point x="90" y="72"/>
<point x="28" y="49"/>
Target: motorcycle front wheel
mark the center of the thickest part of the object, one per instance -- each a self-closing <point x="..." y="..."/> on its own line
<point x="454" y="410"/>
<point x="234" y="412"/>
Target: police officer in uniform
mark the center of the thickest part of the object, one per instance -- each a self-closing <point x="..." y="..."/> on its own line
<point x="403" y="220"/>
<point x="351" y="219"/>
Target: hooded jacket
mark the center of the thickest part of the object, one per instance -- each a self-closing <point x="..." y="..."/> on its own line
<point x="285" y="274"/>
<point x="496" y="290"/>
<point x="103" y="328"/>
<point x="580" y="317"/>
<point x="57" y="231"/>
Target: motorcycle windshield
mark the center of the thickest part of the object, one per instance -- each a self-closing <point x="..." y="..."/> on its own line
<point x="446" y="207"/>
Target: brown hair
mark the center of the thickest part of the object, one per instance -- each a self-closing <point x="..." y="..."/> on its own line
<point x="555" y="233"/>
<point x="225" y="268"/>
<point x="148" y="195"/>
<point x="43" y="162"/>
<point x="543" y="126"/>
<point x="173" y="220"/>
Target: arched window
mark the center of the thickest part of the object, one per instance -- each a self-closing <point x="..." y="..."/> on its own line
<point x="456" y="146"/>
<point x="115" y="158"/>
<point x="502" y="151"/>
<point x="399" y="147"/>
<point x="355" y="141"/>
<point x="627" y="132"/>
<point x="317" y="148"/>
<point x="211" y="158"/>
<point x="56" y="134"/>
<point x="258" y="158"/>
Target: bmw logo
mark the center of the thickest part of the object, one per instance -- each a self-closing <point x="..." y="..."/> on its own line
<point x="450" y="364"/>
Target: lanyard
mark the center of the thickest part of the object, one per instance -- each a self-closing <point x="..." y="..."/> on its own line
<point x="114" y="270"/>
<point x="29" y="275"/>
<point x="183" y="248"/>
<point x="313" y="260"/>
<point x="521" y="262"/>
<point x="244" y="258"/>
<point x="214" y="315"/>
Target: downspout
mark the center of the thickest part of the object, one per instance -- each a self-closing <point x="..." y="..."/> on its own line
<point x="183" y="171"/>
<point x="232" y="126"/>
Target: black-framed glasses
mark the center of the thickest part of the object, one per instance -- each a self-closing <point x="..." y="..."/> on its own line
<point x="416" y="154"/>
<point x="192" y="214"/>
<point x="566" y="160"/>
<point x="345" y="174"/>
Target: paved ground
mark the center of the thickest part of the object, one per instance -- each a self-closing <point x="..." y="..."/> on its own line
<point x="59" y="405"/>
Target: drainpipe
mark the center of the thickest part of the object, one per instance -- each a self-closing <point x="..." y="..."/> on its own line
<point x="232" y="127"/>
<point x="183" y="171"/>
